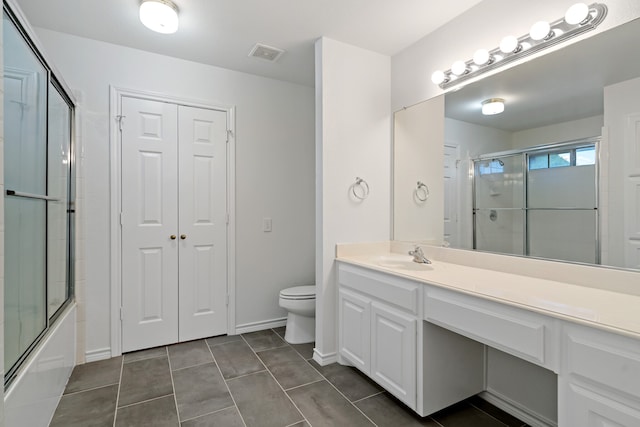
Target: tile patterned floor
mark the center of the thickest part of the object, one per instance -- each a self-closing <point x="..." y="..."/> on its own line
<point x="255" y="379"/>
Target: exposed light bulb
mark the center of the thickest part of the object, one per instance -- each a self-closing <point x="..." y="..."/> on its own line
<point x="159" y="15"/>
<point x="492" y="106"/>
<point x="540" y="30"/>
<point x="509" y="44"/>
<point x="576" y="14"/>
<point x="438" y="77"/>
<point x="481" y="57"/>
<point x="459" y="68"/>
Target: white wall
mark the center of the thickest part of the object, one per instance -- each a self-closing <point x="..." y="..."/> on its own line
<point x="353" y="132"/>
<point x="560" y="132"/>
<point x="274" y="164"/>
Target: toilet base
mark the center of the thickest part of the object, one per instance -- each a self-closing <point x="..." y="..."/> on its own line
<point x="300" y="329"/>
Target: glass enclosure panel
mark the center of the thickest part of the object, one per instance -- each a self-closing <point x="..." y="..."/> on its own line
<point x="25" y="97"/>
<point x="568" y="235"/>
<point x="58" y="187"/>
<point x="499" y="182"/>
<point x="500" y="230"/>
<point x="24" y="293"/>
<point x="571" y="187"/>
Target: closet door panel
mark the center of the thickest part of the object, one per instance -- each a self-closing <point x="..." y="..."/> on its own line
<point x="149" y="224"/>
<point x="203" y="222"/>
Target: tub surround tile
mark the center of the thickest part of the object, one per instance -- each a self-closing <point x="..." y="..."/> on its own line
<point x="95" y="407"/>
<point x="323" y="406"/>
<point x="144" y="380"/>
<point x="94" y="374"/>
<point x="236" y="359"/>
<point x="188" y="354"/>
<point x="288" y="367"/>
<point x="200" y="390"/>
<point x="348" y="380"/>
<point x="157" y="413"/>
<point x="262" y="402"/>
<point x="263" y="340"/>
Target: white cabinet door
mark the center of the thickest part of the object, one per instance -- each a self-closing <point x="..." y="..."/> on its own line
<point x="149" y="220"/>
<point x="203" y="228"/>
<point x="393" y="352"/>
<point x="588" y="408"/>
<point x="354" y="321"/>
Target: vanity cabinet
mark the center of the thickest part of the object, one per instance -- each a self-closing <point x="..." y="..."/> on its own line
<point x="600" y="382"/>
<point x="378" y="327"/>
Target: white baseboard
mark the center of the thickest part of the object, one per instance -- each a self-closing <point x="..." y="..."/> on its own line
<point x="99" y="354"/>
<point x="324" y="359"/>
<point x="260" y="326"/>
<point x="516" y="409"/>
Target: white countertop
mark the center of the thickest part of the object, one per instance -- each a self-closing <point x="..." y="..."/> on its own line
<point x="604" y="309"/>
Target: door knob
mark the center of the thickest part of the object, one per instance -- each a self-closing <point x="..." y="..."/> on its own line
<point x="183" y="236"/>
<point x="172" y="237"/>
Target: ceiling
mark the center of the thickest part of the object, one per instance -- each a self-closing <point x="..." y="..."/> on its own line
<point x="222" y="32"/>
<point x="561" y="86"/>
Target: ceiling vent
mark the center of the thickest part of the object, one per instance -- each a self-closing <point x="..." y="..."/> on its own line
<point x="268" y="53"/>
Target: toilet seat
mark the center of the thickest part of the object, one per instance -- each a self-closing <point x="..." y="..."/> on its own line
<point x="299" y="293"/>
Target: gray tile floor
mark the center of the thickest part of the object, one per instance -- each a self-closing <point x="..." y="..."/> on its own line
<point x="255" y="379"/>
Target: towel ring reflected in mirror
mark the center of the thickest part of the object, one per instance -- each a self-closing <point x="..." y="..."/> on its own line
<point x="360" y="189"/>
<point x="421" y="192"/>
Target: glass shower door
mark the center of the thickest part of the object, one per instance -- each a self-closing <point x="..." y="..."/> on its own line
<point x="25" y="166"/>
<point x="499" y="205"/>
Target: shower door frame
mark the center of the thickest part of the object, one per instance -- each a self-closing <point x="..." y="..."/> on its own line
<point x="524" y="153"/>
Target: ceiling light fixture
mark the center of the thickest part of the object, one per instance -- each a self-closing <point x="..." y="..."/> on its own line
<point x="579" y="19"/>
<point x="492" y="106"/>
<point x="159" y="15"/>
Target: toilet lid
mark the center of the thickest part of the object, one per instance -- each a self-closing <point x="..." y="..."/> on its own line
<point x="299" y="292"/>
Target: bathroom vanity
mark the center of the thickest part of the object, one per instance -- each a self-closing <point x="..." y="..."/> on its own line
<point x="421" y="331"/>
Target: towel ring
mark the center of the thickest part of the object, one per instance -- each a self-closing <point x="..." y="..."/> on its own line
<point x="363" y="187"/>
<point x="422" y="191"/>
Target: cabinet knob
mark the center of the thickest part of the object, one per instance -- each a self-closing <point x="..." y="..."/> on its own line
<point x="183" y="236"/>
<point x="172" y="237"/>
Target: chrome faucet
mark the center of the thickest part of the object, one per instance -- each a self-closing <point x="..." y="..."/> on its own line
<point x="418" y="256"/>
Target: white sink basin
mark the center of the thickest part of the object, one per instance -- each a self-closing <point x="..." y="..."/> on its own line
<point x="401" y="262"/>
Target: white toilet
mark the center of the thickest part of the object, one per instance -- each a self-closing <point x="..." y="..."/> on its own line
<point x="300" y="302"/>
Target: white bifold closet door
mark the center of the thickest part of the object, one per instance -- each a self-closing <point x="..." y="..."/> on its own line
<point x="174" y="223"/>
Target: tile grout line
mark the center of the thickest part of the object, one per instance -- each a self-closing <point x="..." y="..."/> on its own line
<point x="225" y="384"/>
<point x="115" y="411"/>
<point x="303" y="385"/>
<point x="90" y="389"/>
<point x="145" y="401"/>
<point x="368" y="397"/>
<point x="274" y="378"/>
<point x="345" y="397"/>
<point x="210" y="413"/>
<point x="173" y="386"/>
<point x="242" y="376"/>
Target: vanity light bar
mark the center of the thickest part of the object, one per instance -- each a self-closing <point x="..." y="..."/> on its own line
<point x="579" y="19"/>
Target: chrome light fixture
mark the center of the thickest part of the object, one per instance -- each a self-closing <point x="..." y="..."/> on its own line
<point x="492" y="106"/>
<point x="159" y="15"/>
<point x="578" y="19"/>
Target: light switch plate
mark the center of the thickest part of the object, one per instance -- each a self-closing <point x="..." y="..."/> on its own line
<point x="266" y="225"/>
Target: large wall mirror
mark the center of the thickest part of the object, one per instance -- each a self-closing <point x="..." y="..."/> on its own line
<point x="556" y="175"/>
